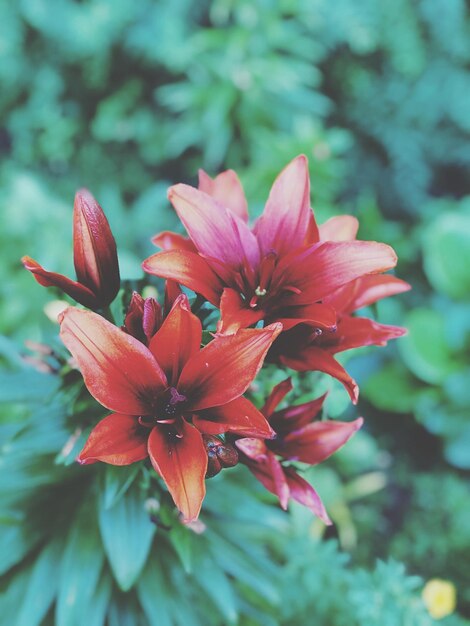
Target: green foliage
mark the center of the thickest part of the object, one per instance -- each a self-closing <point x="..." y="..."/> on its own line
<point x="125" y="98"/>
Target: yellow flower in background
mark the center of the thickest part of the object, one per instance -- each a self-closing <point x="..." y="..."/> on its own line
<point x="440" y="597"/>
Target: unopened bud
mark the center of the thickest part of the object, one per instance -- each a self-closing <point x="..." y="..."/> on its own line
<point x="220" y="454"/>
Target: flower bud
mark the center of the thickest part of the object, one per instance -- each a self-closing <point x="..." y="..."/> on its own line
<point x="94" y="249"/>
<point x="143" y="318"/>
<point x="220" y="454"/>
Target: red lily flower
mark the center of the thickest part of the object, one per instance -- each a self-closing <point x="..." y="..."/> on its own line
<point x="165" y="395"/>
<point x="304" y="349"/>
<point x="298" y="438"/>
<point x="94" y="256"/>
<point x="277" y="271"/>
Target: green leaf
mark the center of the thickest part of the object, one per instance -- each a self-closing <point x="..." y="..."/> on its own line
<point x="27" y="386"/>
<point x="127" y="534"/>
<point x="80" y="570"/>
<point x="42" y="586"/>
<point x="117" y="482"/>
<point x="391" y="389"/>
<point x="447" y="254"/>
<point x="96" y="613"/>
<point x="155" y="594"/>
<point x="424" y="349"/>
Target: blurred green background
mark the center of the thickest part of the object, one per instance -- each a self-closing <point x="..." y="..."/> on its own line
<point x="128" y="97"/>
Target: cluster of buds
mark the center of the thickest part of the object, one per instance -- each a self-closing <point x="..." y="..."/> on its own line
<point x="287" y="290"/>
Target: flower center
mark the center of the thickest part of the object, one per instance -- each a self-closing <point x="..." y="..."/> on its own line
<point x="169" y="409"/>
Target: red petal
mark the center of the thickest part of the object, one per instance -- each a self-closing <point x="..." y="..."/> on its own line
<point x="285" y="220"/>
<point x="187" y="268"/>
<point x="313" y="235"/>
<point x="239" y="416"/>
<point x="118" y="370"/>
<point x="276" y="396"/>
<point x="94" y="249"/>
<point x="173" y="241"/>
<point x="305" y="494"/>
<point x="369" y="289"/>
<point x="118" y="439"/>
<point x="294" y="417"/>
<point x="223" y="370"/>
<point x="271" y="475"/>
<point x="321" y="316"/>
<point x="75" y="290"/>
<point x="227" y="189"/>
<point x="254" y="449"/>
<point x="313" y="358"/>
<point x="172" y="291"/>
<point x="339" y="228"/>
<point x="216" y="232"/>
<point x="356" y="332"/>
<point x="178" y="339"/>
<point x="318" y="270"/>
<point x="182" y="463"/>
<point x="317" y="441"/>
<point x="235" y="313"/>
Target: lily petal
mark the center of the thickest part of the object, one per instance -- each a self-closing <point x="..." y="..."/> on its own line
<point x="187" y="268"/>
<point x="276" y="396"/>
<point x="321" y="316"/>
<point x="239" y="416"/>
<point x="313" y="358"/>
<point x="356" y="332"/>
<point x="167" y="240"/>
<point x="285" y="220"/>
<point x="94" y="248"/>
<point x="227" y="189"/>
<point x="118" y="370"/>
<point x="255" y="449"/>
<point x="223" y="370"/>
<point x="271" y="475"/>
<point x="214" y="230"/>
<point x="182" y="463"/>
<point x="316" y="442"/>
<point x="118" y="440"/>
<point x="305" y="494"/>
<point x="178" y="339"/>
<point x="294" y="417"/>
<point x="75" y="290"/>
<point x="235" y="313"/>
<point x="370" y="289"/>
<point x="339" y="228"/>
<point x="318" y="270"/>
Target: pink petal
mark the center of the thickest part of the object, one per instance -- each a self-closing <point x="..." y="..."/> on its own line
<point x="118" y="440"/>
<point x="285" y="220"/>
<point x="339" y="228"/>
<point x="370" y="289"/>
<point x="227" y="189"/>
<point x="322" y="316"/>
<point x="167" y="240"/>
<point x="294" y="417"/>
<point x="271" y="475"/>
<point x="255" y="449"/>
<point x="356" y="332"/>
<point x="316" y="359"/>
<point x="215" y="231"/>
<point x="188" y="269"/>
<point x="276" y="396"/>
<point x="318" y="270"/>
<point x="304" y="493"/>
<point x="317" y="441"/>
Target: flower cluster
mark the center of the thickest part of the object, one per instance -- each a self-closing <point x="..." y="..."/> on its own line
<point x="286" y="289"/>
